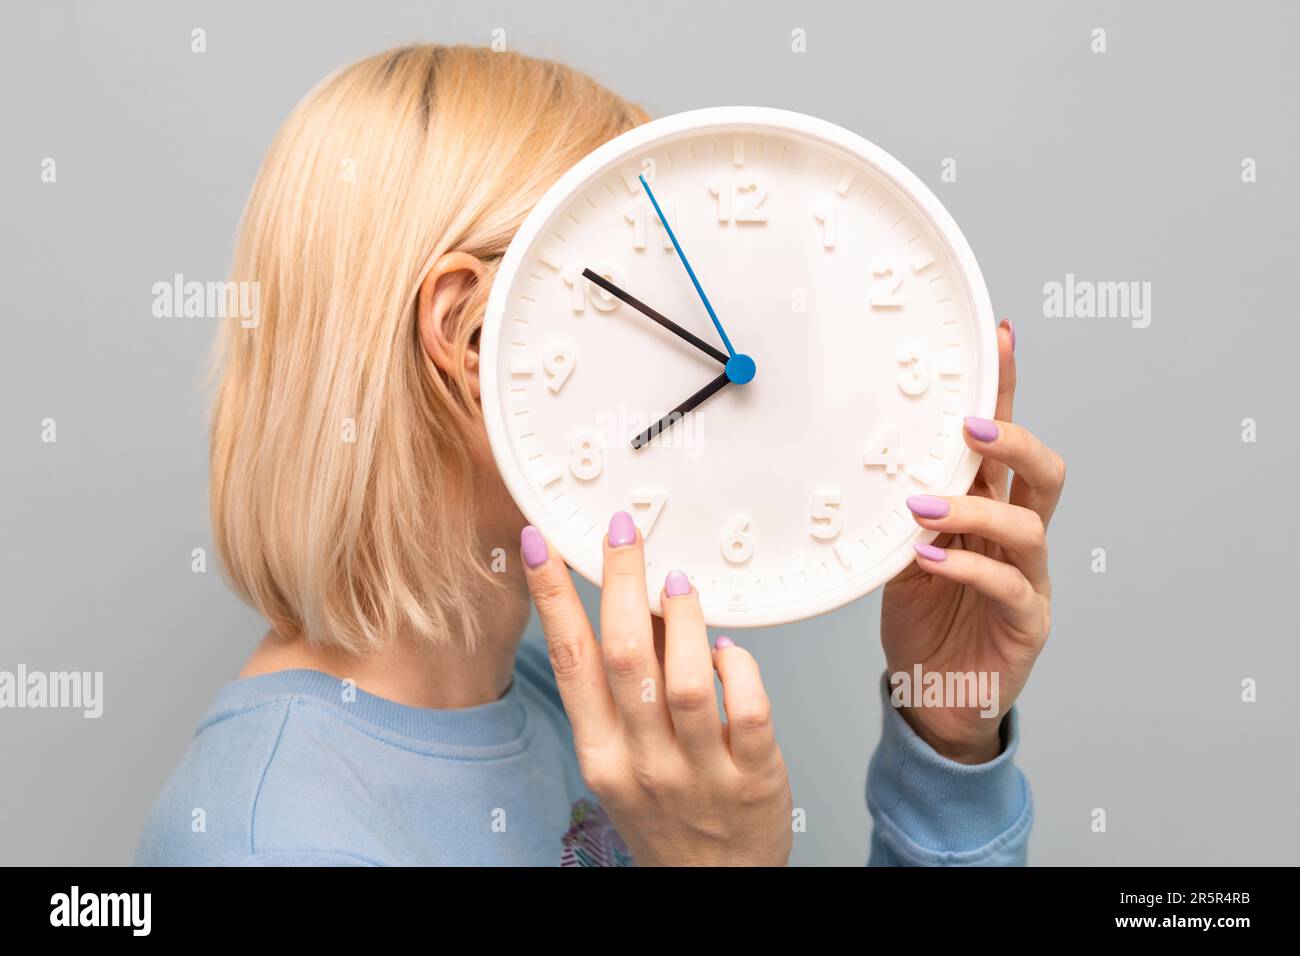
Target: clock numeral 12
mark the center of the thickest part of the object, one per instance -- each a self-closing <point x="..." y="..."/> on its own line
<point x="739" y="198"/>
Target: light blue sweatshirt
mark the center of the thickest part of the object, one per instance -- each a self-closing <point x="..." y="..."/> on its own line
<point x="299" y="768"/>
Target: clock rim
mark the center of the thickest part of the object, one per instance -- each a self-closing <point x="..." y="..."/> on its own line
<point x="600" y="162"/>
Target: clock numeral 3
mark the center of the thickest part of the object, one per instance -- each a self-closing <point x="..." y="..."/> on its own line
<point x="585" y="457"/>
<point x="914" y="379"/>
<point x="738" y="540"/>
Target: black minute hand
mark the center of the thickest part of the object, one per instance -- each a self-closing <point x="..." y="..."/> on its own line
<point x="650" y="313"/>
<point x="680" y="411"/>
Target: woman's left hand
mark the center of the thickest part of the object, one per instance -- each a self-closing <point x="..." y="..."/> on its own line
<point x="979" y="598"/>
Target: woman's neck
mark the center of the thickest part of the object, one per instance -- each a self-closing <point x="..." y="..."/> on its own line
<point x="413" y="672"/>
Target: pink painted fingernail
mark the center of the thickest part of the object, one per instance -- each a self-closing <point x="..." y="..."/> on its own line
<point x="722" y="642"/>
<point x="981" y="429"/>
<point x="930" y="552"/>
<point x="534" y="546"/>
<point x="677" y="584"/>
<point x="621" y="530"/>
<point x="927" y="506"/>
<point x="1012" y="329"/>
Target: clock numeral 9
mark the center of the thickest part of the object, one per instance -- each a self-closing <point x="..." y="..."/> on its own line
<point x="559" y="361"/>
<point x="585" y="457"/>
<point x="583" y="292"/>
<point x="739" y="198"/>
<point x="885" y="452"/>
<point x="885" y="283"/>
<point x="826" y="520"/>
<point x="738" y="540"/>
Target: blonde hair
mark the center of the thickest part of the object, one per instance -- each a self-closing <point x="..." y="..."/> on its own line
<point x="342" y="471"/>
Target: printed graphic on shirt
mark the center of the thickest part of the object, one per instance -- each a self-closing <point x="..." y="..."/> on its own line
<point x="592" y="839"/>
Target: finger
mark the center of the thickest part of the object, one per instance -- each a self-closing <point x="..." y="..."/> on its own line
<point x="998" y="581"/>
<point x="1018" y="530"/>
<point x="626" y="637"/>
<point x="993" y="473"/>
<point x="688" y="671"/>
<point x="575" y="658"/>
<point x="1039" y="471"/>
<point x="750" y="734"/>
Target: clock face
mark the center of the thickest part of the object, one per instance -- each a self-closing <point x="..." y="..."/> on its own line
<point x="781" y="491"/>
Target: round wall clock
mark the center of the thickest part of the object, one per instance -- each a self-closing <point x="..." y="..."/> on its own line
<point x="757" y="333"/>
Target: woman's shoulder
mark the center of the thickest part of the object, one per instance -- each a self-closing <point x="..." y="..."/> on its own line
<point x="300" y="767"/>
<point x="203" y="814"/>
<point x="264" y="778"/>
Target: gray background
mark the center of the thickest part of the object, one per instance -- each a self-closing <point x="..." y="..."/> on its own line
<point x="1122" y="166"/>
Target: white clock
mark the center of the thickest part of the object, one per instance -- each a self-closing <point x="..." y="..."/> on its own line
<point x="803" y="294"/>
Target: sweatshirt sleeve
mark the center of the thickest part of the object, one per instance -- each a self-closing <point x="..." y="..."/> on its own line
<point x="928" y="810"/>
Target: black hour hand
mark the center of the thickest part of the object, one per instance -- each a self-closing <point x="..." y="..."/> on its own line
<point x="680" y="411"/>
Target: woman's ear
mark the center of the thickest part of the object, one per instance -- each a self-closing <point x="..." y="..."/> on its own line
<point x="446" y="288"/>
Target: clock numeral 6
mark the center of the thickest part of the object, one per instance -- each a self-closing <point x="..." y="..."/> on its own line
<point x="738" y="540"/>
<point x="585" y="457"/>
<point x="826" y="520"/>
<point x="885" y="283"/>
<point x="583" y="292"/>
<point x="884" y="451"/>
<point x="559" y="361"/>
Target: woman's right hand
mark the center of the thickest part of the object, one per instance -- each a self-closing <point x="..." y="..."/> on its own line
<point x="682" y="787"/>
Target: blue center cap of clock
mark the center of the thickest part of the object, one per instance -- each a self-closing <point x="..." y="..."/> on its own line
<point x="740" y="369"/>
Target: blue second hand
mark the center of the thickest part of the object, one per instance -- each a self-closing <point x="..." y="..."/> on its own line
<point x="691" y="272"/>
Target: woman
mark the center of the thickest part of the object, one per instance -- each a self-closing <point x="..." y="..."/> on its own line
<point x="392" y="715"/>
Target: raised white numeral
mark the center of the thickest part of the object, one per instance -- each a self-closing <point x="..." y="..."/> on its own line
<point x="827" y="521"/>
<point x="737" y="540"/>
<point x="884" y="451"/>
<point x="739" y="198"/>
<point x="583" y="292"/>
<point x="559" y="361"/>
<point x="886" y="281"/>
<point x="641" y="215"/>
<point x="646" y="506"/>
<point x="825" y="214"/>
<point x="915" y="376"/>
<point x="585" y="459"/>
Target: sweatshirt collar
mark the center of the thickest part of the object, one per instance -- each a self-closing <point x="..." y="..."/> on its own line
<point x="497" y="722"/>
